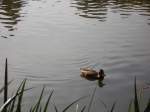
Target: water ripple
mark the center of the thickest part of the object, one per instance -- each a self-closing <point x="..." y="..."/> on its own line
<point x="91" y="9"/>
<point x="10" y="14"/>
<point x="99" y="9"/>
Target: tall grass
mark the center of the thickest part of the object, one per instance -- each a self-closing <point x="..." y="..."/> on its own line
<point x="14" y="103"/>
<point x="6" y="82"/>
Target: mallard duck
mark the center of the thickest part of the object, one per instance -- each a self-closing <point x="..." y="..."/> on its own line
<point x="92" y="74"/>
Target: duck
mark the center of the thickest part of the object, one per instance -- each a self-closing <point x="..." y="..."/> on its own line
<point x="89" y="73"/>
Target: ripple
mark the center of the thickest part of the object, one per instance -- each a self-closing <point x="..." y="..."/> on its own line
<point x="10" y="13"/>
<point x="91" y="9"/>
<point x="84" y="61"/>
<point x="99" y="9"/>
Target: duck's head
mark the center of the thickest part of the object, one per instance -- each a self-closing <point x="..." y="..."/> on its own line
<point x="101" y="73"/>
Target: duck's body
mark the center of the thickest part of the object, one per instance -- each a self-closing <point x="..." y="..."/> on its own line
<point x="88" y="72"/>
<point x="92" y="74"/>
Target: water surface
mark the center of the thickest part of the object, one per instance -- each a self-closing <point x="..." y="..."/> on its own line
<point x="48" y="41"/>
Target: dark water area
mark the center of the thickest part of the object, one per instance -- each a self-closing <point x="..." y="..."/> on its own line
<point x="10" y="14"/>
<point x="48" y="41"/>
<point x="99" y="9"/>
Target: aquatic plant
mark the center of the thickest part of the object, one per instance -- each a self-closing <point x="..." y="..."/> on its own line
<point x="134" y="104"/>
<point x="14" y="103"/>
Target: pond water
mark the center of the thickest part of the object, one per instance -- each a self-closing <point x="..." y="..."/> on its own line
<point x="48" y="41"/>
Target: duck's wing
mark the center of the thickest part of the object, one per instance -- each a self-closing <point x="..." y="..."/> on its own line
<point x="87" y="69"/>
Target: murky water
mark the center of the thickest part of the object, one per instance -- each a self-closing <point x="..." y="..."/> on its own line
<point x="48" y="41"/>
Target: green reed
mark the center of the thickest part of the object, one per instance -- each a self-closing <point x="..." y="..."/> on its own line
<point x="14" y="103"/>
<point x="134" y="104"/>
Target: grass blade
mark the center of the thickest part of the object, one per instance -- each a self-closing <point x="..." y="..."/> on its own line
<point x="77" y="107"/>
<point x="104" y="104"/>
<point x="6" y="81"/>
<point x="1" y="90"/>
<point x="130" y="106"/>
<point x="5" y="84"/>
<point x="20" y="97"/>
<point x="40" y="109"/>
<point x="136" y="103"/>
<point x="82" y="110"/>
<point x="11" y="108"/>
<point x="113" y="107"/>
<point x="36" y="107"/>
<point x="30" y="109"/>
<point x="38" y="103"/>
<point x="73" y="103"/>
<point x="13" y="102"/>
<point x="90" y="104"/>
<point x="2" y="109"/>
<point x="147" y="109"/>
<point x="56" y="109"/>
<point x="46" y="105"/>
